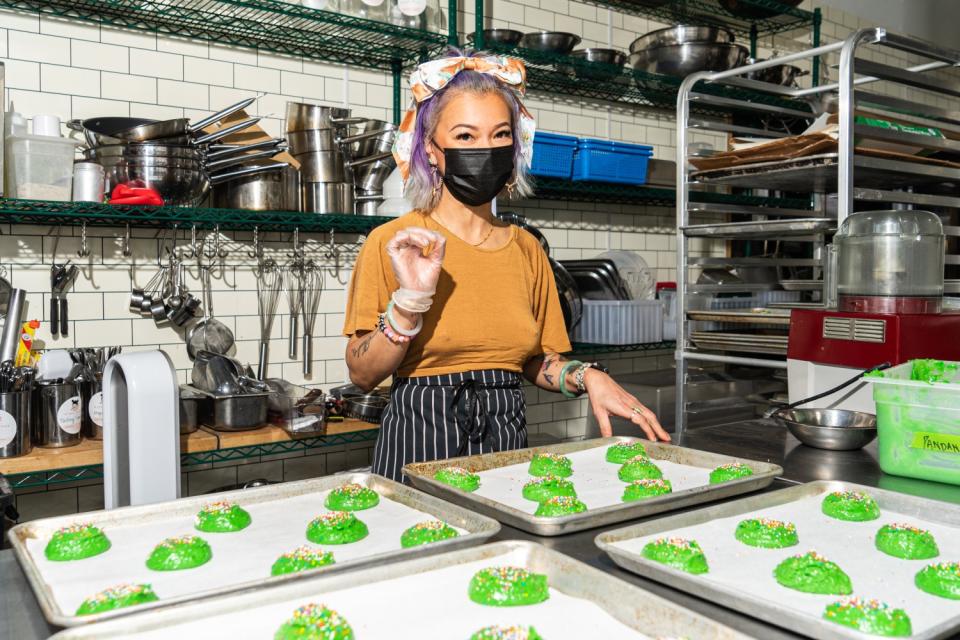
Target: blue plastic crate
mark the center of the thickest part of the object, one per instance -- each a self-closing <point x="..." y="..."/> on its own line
<point x="609" y="161"/>
<point x="553" y="155"/>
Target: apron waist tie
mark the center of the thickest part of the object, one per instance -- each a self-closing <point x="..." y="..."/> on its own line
<point x="470" y="410"/>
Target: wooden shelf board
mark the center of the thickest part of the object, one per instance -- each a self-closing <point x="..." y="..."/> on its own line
<point x="269" y="434"/>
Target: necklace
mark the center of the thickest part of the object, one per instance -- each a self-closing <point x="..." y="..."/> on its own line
<point x="472" y="244"/>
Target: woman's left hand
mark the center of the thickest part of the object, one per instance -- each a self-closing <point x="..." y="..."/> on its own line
<point x="607" y="398"/>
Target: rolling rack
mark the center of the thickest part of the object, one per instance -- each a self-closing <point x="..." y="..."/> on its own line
<point x="854" y="177"/>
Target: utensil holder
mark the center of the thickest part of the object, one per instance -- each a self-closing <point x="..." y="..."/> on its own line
<point x="57" y="415"/>
<point x="92" y="408"/>
<point x="15" y="424"/>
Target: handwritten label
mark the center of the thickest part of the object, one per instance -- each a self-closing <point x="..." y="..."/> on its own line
<point x="940" y="442"/>
<point x="68" y="415"/>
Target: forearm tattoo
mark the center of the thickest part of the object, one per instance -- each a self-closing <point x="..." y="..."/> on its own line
<point x="364" y="345"/>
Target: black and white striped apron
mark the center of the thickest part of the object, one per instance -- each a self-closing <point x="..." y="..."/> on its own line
<point x="450" y="415"/>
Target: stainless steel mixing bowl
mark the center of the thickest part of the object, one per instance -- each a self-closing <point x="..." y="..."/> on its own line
<point x="499" y="37"/>
<point x="683" y="59"/>
<point x="550" y="41"/>
<point x="681" y="34"/>
<point x="833" y="429"/>
<point x="595" y="64"/>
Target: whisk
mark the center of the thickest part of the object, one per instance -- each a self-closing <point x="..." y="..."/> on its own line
<point x="312" y="287"/>
<point x="293" y="287"/>
<point x="269" y="281"/>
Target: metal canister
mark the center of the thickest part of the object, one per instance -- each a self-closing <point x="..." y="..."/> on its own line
<point x="88" y="182"/>
<point x="57" y="414"/>
<point x="15" y="424"/>
<point x="91" y="419"/>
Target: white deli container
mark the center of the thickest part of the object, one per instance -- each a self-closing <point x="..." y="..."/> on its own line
<point x="620" y="322"/>
<point x="39" y="167"/>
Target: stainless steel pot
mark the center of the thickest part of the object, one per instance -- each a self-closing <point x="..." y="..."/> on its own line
<point x="302" y="116"/>
<point x="57" y="410"/>
<point x="277" y="191"/>
<point x="682" y="34"/>
<point x="313" y="140"/>
<point x="371" y="176"/>
<point x="683" y="59"/>
<point x="368" y="204"/>
<point x="327" y="197"/>
<point x="235" y="412"/>
<point x="15" y="424"/>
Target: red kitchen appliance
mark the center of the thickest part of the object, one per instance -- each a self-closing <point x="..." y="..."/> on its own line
<point x="889" y="278"/>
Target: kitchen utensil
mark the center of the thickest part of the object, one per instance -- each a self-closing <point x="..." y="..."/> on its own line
<point x="269" y="282"/>
<point x="190" y="401"/>
<point x="752" y="11"/>
<point x="312" y="288"/>
<point x="215" y="373"/>
<point x="56" y="414"/>
<point x="781" y="74"/>
<point x="15" y="426"/>
<point x="682" y="34"/>
<point x="101" y="131"/>
<point x="234" y="412"/>
<point x="833" y="429"/>
<point x="5" y="289"/>
<point x="209" y="334"/>
<point x="54" y="364"/>
<point x="632" y="268"/>
<point x="368" y="407"/>
<point x="88" y="180"/>
<point x="776" y="411"/>
<point x="61" y="276"/>
<point x="550" y="41"/>
<point x="275" y="191"/>
<point x="321" y="166"/>
<point x="302" y="116"/>
<point x="293" y="288"/>
<point x="182" y="126"/>
<point x="506" y="38"/>
<point x="326" y="197"/>
<point x="235" y="159"/>
<point x="683" y="59"/>
<point x="10" y="337"/>
<point x="595" y="64"/>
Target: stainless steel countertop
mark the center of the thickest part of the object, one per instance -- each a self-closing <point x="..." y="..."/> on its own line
<point x="20" y="617"/>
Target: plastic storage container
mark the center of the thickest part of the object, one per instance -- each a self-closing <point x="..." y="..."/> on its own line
<point x="553" y="155"/>
<point x="39" y="167"/>
<point x="918" y="422"/>
<point x="620" y="322"/>
<point x="609" y="161"/>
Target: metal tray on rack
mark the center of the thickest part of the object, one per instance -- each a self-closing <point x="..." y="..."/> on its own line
<point x="259" y="613"/>
<point x="768" y="609"/>
<point x="744" y="342"/>
<point x="802" y="285"/>
<point x="478" y="528"/>
<point x="421" y="475"/>
<point x="773" y="317"/>
<point x="765" y="229"/>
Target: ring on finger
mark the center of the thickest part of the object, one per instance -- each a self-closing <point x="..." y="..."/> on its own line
<point x="637" y="410"/>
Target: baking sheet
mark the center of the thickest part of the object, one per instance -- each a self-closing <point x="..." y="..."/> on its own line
<point x="427" y="599"/>
<point x="243" y="559"/>
<point x="502" y="476"/>
<point x="741" y="577"/>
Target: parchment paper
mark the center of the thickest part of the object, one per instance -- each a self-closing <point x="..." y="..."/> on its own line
<point x="278" y="527"/>
<point x="749" y="570"/>
<point x="594" y="478"/>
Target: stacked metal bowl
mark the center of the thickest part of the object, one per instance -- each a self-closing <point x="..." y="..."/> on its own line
<point x="684" y="49"/>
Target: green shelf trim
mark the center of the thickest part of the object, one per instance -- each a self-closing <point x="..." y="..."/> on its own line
<point x="43" y="212"/>
<point x="784" y="18"/>
<point x="267" y="25"/>
<point x="582" y="348"/>
<point x="54" y="477"/>
<point x="274" y="448"/>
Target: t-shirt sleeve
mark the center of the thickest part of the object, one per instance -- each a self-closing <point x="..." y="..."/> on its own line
<point x="553" y="330"/>
<point x="369" y="289"/>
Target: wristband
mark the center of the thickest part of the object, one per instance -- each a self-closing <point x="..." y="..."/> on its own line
<point x="412" y="300"/>
<point x="390" y="334"/>
<point x="392" y="323"/>
<point x="563" y="378"/>
<point x="580" y="373"/>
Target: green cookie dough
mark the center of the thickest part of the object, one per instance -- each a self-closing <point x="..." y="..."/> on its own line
<point x="850" y="505"/>
<point x="812" y="573"/>
<point x="728" y="472"/>
<point x="639" y="468"/>
<point x="646" y="488"/>
<point x="336" y="527"/>
<point x="542" y="489"/>
<point x="766" y="533"/>
<point x="301" y="559"/>
<point x="174" y="554"/>
<point x="907" y="542"/>
<point x="623" y="451"/>
<point x="942" y="579"/>
<point x="507" y="633"/>
<point x="458" y="477"/>
<point x="870" y="616"/>
<point x="507" y="587"/>
<point x="76" y="542"/>
<point x="560" y="506"/>
<point x="352" y="497"/>
<point x="123" y="595"/>
<point x="678" y="553"/>
<point x="550" y="464"/>
<point x="222" y="517"/>
<point x="314" y="622"/>
<point x="427" y="532"/>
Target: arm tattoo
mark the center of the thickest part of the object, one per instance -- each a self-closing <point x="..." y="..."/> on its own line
<point x="364" y="345"/>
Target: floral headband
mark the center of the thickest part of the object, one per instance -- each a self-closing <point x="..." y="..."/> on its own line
<point x="432" y="76"/>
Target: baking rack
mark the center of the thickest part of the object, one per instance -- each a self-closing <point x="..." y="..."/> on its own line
<point x="863" y="87"/>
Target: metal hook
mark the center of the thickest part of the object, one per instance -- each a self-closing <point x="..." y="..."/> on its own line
<point x="56" y="243"/>
<point x="193" y="244"/>
<point x="170" y="250"/>
<point x="297" y="253"/>
<point x="257" y="252"/>
<point x="221" y="253"/>
<point x="84" y="250"/>
<point x="125" y="246"/>
<point x="215" y="250"/>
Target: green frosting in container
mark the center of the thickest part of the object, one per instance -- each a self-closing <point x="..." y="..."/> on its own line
<point x="336" y="527"/>
<point x="679" y="553"/>
<point x="931" y="371"/>
<point x="301" y="559"/>
<point x="766" y="533"/>
<point x="507" y="633"/>
<point x="458" y="477"/>
<point x="76" y="542"/>
<point x="352" y="497"/>
<point x="850" y="505"/>
<point x="730" y="471"/>
<point x="550" y="464"/>
<point x="174" y="554"/>
<point x="942" y="580"/>
<point x="560" y="506"/>
<point x="507" y="587"/>
<point x="623" y="451"/>
<point x="646" y="488"/>
<point x="870" y="616"/>
<point x="639" y="468"/>
<point x="123" y="595"/>
<point x="546" y="487"/>
<point x="314" y="622"/>
<point x="812" y="573"/>
<point x="222" y="517"/>
<point x="904" y="541"/>
<point x="427" y="532"/>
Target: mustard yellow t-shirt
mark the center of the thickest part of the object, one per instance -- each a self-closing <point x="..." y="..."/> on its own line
<point x="493" y="309"/>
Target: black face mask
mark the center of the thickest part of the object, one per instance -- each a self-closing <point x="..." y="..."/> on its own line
<point x="476" y="176"/>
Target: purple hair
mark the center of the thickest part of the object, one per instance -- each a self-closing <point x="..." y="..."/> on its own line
<point x="422" y="181"/>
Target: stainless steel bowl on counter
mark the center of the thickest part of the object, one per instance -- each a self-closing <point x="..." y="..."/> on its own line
<point x="833" y="429"/>
<point x="499" y="37"/>
<point x="550" y="41"/>
<point x="683" y="59"/>
<point x="595" y="64"/>
<point x="682" y="34"/>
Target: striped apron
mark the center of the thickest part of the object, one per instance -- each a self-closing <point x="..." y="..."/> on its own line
<point x="450" y="415"/>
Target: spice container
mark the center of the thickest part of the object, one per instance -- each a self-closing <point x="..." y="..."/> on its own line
<point x="57" y="410"/>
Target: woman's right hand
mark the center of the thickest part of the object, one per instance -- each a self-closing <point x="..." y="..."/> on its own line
<point x="417" y="255"/>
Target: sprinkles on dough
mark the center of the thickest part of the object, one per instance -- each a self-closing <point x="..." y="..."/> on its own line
<point x="306" y="553"/>
<point x="78" y="527"/>
<point x="319" y="616"/>
<point x="430" y="525"/>
<point x="505" y="633"/>
<point x="555" y="457"/>
<point x="733" y="466"/>
<point x="119" y="591"/>
<point x="333" y="518"/>
<point x="222" y="506"/>
<point x="678" y="543"/>
<point x="857" y="603"/>
<point x="855" y="496"/>
<point x="544" y="480"/>
<point x="172" y="542"/>
<point x="352" y="489"/>
<point x="650" y="483"/>
<point x="562" y="501"/>
<point x="901" y="526"/>
<point x="769" y="523"/>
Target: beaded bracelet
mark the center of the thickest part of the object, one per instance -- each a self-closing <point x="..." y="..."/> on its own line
<point x="387" y="331"/>
<point x="563" y="378"/>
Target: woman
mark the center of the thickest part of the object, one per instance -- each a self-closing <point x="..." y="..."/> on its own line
<point x="455" y="303"/>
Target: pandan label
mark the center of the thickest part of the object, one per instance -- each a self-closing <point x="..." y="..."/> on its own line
<point x="939" y="442"/>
